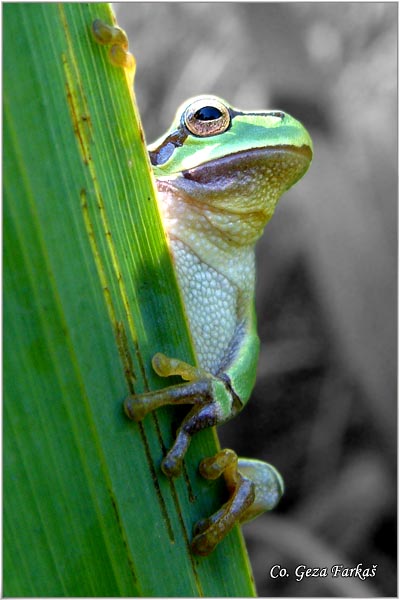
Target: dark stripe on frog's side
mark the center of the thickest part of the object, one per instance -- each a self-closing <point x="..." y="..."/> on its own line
<point x="269" y="113"/>
<point x="237" y="404"/>
<point x="176" y="139"/>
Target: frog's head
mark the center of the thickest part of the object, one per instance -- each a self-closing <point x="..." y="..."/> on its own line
<point x="232" y="160"/>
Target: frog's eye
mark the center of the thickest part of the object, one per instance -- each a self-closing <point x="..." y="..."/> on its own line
<point x="207" y="117"/>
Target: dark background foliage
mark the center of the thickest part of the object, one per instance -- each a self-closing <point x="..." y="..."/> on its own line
<point x="324" y="407"/>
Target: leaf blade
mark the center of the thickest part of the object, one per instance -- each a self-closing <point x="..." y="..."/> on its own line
<point x="90" y="292"/>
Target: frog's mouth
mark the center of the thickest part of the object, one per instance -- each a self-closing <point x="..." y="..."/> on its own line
<point x="277" y="166"/>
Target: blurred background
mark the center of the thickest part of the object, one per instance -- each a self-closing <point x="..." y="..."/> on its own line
<point x="324" y="407"/>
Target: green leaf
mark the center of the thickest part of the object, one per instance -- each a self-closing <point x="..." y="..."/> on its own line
<point x="89" y="296"/>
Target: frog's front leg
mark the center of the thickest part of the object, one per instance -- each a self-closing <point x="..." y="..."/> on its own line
<point x="255" y="487"/>
<point x="211" y="398"/>
<point x="116" y="38"/>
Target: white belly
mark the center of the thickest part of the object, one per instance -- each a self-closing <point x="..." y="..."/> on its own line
<point x="211" y="306"/>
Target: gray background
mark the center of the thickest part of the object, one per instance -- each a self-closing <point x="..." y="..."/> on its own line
<point x="324" y="407"/>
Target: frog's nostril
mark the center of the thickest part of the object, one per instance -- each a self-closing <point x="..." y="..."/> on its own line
<point x="277" y="113"/>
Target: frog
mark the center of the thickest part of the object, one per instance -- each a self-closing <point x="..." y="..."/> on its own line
<point x="219" y="174"/>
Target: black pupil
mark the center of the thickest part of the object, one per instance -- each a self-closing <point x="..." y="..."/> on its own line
<point x="208" y="113"/>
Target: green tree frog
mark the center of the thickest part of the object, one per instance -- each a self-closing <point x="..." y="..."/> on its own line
<point x="220" y="172"/>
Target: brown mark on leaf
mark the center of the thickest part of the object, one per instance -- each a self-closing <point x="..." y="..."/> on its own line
<point x="105" y="254"/>
<point x="123" y="348"/>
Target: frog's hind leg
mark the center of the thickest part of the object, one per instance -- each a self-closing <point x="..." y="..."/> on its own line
<point x="200" y="417"/>
<point x="209" y="532"/>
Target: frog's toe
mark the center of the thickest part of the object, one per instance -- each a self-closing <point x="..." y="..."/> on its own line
<point x="171" y="466"/>
<point x="201" y="526"/>
<point x="119" y="57"/>
<point x="204" y="543"/>
<point x="106" y="34"/>
<point x="200" y="545"/>
<point x="135" y="408"/>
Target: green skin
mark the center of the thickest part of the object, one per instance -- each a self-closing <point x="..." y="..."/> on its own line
<point x="219" y="173"/>
<point x="217" y="191"/>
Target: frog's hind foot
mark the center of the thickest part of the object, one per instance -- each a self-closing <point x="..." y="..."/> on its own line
<point x="210" y="531"/>
<point x="254" y="486"/>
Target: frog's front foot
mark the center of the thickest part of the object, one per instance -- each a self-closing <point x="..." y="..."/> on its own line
<point x="254" y="487"/>
<point x="206" y="393"/>
<point x="116" y="38"/>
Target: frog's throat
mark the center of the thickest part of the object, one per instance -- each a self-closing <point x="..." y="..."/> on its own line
<point x="232" y="198"/>
<point x="195" y="221"/>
